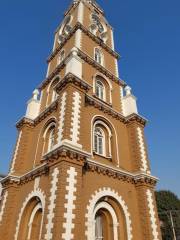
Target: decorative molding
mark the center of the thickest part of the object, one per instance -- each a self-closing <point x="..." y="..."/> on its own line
<point x="144" y="162"/>
<point x="53" y="74"/>
<point x="103" y="107"/>
<point x="75" y="119"/>
<point x="119" y="174"/>
<point x="136" y="118"/>
<point x="62" y="117"/>
<point x="88" y="33"/>
<point x="105" y="192"/>
<point x="37" y="172"/>
<point x="152" y="214"/>
<point x="3" y="205"/>
<point x="71" y="78"/>
<point x="37" y="193"/>
<point x="52" y="107"/>
<point x="70" y="205"/>
<point x="29" y="176"/>
<point x="100" y="68"/>
<point x="110" y="111"/>
<point x="90" y="61"/>
<point x="42" y="116"/>
<point x="52" y="204"/>
<point x="25" y="121"/>
<point x="66" y="151"/>
<point x="16" y="152"/>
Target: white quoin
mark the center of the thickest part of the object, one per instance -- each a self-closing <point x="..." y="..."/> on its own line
<point x="1" y="191"/>
<point x="33" y="105"/>
<point x="74" y="64"/>
<point x="129" y="102"/>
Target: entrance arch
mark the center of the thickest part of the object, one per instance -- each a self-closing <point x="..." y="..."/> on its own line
<point x="29" y="225"/>
<point x="109" y="203"/>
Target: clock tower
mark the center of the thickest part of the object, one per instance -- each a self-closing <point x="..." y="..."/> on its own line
<point x="80" y="168"/>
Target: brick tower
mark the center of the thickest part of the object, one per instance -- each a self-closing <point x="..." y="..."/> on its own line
<point x="80" y="169"/>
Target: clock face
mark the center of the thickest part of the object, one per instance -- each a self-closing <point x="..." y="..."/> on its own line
<point x="67" y="19"/>
<point x="101" y="28"/>
<point x="97" y="21"/>
<point x="66" y="28"/>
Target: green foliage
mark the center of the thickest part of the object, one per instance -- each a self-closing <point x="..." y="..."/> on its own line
<point x="168" y="202"/>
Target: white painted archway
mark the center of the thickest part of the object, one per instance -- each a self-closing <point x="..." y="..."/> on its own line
<point x="106" y="192"/>
<point x="109" y="208"/>
<point x="37" y="193"/>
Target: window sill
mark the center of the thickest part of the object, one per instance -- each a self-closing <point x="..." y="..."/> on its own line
<point x="109" y="104"/>
<point x="100" y="155"/>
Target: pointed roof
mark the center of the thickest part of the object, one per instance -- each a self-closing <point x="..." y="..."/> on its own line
<point x="93" y="2"/>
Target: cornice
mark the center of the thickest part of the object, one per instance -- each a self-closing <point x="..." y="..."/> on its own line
<point x="73" y="5"/>
<point x="77" y="156"/>
<point x="88" y="33"/>
<point x="90" y="61"/>
<point x="53" y="74"/>
<point x="47" y="111"/>
<point x="100" y="68"/>
<point x="71" y="78"/>
<point x="25" y="121"/>
<point x="42" y="116"/>
<point x="110" y="111"/>
<point x="64" y="151"/>
<point x="104" y="108"/>
<point x="119" y="174"/>
<point x="42" y="170"/>
<point x="136" y="118"/>
<point x="29" y="176"/>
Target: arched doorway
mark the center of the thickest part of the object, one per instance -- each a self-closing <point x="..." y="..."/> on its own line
<point x="31" y="220"/>
<point x="108" y="217"/>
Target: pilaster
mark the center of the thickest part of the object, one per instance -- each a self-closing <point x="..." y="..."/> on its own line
<point x="70" y="117"/>
<point x="138" y="148"/>
<point x="8" y="212"/>
<point x="22" y="151"/>
<point x="65" y="222"/>
<point x="148" y="213"/>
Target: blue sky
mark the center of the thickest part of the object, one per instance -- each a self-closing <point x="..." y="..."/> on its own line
<point x="147" y="35"/>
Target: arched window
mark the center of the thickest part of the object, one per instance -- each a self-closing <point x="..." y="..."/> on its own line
<point x="51" y="92"/>
<point x="103" y="139"/>
<point x="31" y="220"/>
<point x="99" y="141"/>
<point x="54" y="95"/>
<point x="98" y="56"/>
<point x="106" y="222"/>
<point x="51" y="139"/>
<point x="100" y="90"/>
<point x="99" y="227"/>
<point x="61" y="56"/>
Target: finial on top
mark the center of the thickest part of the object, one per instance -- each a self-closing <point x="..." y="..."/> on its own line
<point x="128" y="90"/>
<point x="35" y="94"/>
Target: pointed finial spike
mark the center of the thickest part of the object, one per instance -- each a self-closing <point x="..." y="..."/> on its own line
<point x="128" y="90"/>
<point x="35" y="94"/>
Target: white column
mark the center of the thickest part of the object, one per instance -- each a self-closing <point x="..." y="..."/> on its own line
<point x="129" y="103"/>
<point x="33" y="106"/>
<point x="74" y="64"/>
